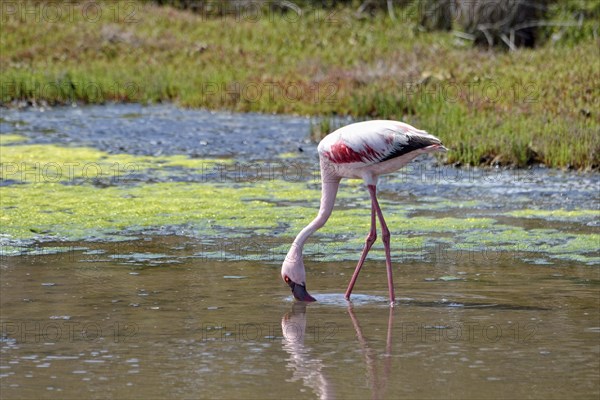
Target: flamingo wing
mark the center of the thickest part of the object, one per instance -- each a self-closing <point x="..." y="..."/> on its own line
<point x="373" y="142"/>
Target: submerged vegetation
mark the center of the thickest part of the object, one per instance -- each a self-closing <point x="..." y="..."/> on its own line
<point x="490" y="106"/>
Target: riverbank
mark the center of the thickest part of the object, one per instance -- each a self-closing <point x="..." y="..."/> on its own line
<point x="489" y="107"/>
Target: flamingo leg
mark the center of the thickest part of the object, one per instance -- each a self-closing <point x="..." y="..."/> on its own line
<point x="385" y="236"/>
<point x="371" y="237"/>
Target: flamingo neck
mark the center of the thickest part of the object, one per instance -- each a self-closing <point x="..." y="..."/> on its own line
<point x="329" y="188"/>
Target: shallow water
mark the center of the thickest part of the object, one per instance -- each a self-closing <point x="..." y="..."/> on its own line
<point x="499" y="300"/>
<point x="75" y="324"/>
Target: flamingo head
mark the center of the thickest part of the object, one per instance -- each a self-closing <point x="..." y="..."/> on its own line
<point x="293" y="273"/>
<point x="298" y="290"/>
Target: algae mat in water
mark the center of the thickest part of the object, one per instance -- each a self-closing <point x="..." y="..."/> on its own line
<point x="73" y="194"/>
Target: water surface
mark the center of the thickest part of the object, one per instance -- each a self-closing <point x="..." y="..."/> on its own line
<point x="85" y="327"/>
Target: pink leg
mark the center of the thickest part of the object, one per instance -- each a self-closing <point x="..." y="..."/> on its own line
<point x="368" y="243"/>
<point x="385" y="235"/>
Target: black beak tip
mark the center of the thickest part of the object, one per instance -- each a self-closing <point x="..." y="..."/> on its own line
<point x="300" y="293"/>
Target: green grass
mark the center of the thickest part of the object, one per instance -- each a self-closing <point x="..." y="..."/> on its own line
<point x="489" y="107"/>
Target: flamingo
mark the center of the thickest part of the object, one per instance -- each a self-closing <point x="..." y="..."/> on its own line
<point x="359" y="150"/>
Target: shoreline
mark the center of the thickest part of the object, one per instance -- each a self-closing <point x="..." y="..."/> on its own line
<point x="309" y="134"/>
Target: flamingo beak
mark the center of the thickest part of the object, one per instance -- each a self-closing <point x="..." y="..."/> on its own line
<point x="299" y="291"/>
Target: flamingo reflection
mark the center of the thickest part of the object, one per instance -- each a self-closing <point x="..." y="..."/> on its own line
<point x="377" y="382"/>
<point x="303" y="365"/>
<point x="308" y="368"/>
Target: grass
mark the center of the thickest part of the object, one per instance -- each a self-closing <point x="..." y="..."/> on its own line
<point x="489" y="107"/>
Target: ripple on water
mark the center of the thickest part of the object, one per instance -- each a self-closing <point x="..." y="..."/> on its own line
<point x="338" y="299"/>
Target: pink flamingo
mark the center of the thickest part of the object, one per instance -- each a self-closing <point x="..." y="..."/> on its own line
<point x="360" y="150"/>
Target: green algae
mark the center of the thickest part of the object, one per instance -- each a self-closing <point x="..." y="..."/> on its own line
<point x="449" y="224"/>
<point x="348" y="249"/>
<point x="287" y="156"/>
<point x="510" y="235"/>
<point x="557" y="215"/>
<point x="10" y="138"/>
<point x="436" y="203"/>
<point x="78" y="212"/>
<point x="81" y="211"/>
<point x="70" y="207"/>
<point x="581" y="243"/>
<point x="579" y="247"/>
<point x="219" y="210"/>
<point x="48" y="163"/>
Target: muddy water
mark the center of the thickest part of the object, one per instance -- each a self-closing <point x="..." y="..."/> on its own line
<point x="500" y="301"/>
<point x="83" y="326"/>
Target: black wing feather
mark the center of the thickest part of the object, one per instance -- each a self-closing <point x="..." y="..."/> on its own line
<point x="415" y="142"/>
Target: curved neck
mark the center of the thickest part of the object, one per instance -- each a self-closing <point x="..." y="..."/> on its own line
<point x="329" y="188"/>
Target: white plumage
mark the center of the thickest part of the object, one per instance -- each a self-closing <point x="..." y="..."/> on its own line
<point x="372" y="148"/>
